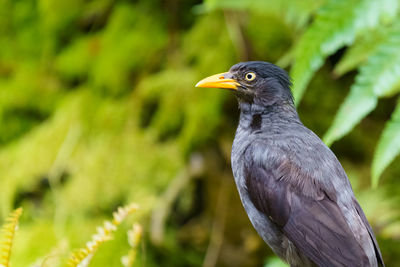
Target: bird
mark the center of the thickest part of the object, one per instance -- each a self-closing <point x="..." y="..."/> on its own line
<point x="292" y="186"/>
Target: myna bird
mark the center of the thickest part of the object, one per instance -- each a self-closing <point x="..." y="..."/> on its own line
<point x="292" y="186"/>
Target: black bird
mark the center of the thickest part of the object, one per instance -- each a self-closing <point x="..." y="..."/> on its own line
<point x="292" y="186"/>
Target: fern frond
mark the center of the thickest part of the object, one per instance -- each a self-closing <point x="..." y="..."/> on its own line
<point x="82" y="257"/>
<point x="388" y="147"/>
<point x="8" y="232"/>
<point x="336" y="24"/>
<point x="134" y="237"/>
<point x="358" y="53"/>
<point x="54" y="257"/>
<point x="379" y="77"/>
<point x="355" y="107"/>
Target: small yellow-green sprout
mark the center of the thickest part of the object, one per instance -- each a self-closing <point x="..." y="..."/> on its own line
<point x="83" y="256"/>
<point x="134" y="237"/>
<point x="7" y="237"/>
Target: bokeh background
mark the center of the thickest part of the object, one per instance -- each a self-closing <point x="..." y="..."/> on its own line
<point x="98" y="109"/>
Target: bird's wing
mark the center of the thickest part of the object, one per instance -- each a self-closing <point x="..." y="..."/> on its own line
<point x="370" y="232"/>
<point x="306" y="212"/>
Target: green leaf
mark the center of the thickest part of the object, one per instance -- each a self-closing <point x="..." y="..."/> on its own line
<point x="379" y="77"/>
<point x="275" y="262"/>
<point x="359" y="52"/>
<point x="388" y="147"/>
<point x="336" y="24"/>
<point x="295" y="13"/>
<point x="356" y="106"/>
<point x="381" y="73"/>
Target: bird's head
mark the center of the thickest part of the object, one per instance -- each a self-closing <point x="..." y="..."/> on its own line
<point x="257" y="82"/>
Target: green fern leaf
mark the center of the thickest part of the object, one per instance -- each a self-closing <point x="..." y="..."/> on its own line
<point x="336" y="24"/>
<point x="359" y="52"/>
<point x="388" y="146"/>
<point x="83" y="256"/>
<point x="379" y="77"/>
<point x="356" y="106"/>
<point x="8" y="232"/>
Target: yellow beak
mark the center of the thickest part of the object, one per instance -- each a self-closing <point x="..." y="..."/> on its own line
<point x="219" y="81"/>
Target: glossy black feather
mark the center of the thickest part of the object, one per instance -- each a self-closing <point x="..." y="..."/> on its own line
<point x="315" y="224"/>
<point x="256" y="122"/>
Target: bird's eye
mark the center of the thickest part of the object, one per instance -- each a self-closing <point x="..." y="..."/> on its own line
<point x="250" y="76"/>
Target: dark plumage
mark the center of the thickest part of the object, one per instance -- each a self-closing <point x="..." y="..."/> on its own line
<point x="292" y="186"/>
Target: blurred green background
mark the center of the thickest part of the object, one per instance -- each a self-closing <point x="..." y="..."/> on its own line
<point x="98" y="109"/>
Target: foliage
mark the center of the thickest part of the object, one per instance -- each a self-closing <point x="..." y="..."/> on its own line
<point x="388" y="146"/>
<point x="378" y="77"/>
<point x="134" y="237"/>
<point x="82" y="257"/>
<point x="359" y="51"/>
<point x="340" y="23"/>
<point x="98" y="108"/>
<point x="336" y="24"/>
<point x="295" y="13"/>
<point x="275" y="262"/>
<point x="7" y="238"/>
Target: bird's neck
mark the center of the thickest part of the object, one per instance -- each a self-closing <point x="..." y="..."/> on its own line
<point x="256" y="117"/>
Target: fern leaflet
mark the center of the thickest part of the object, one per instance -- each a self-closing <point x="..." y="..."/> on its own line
<point x="388" y="146"/>
<point x="83" y="256"/>
<point x="336" y="24"/>
<point x="356" y="106"/>
<point x="379" y="77"/>
<point x="8" y="232"/>
<point x="359" y="52"/>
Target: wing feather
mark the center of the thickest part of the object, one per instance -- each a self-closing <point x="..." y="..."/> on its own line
<point x="370" y="232"/>
<point x="313" y="222"/>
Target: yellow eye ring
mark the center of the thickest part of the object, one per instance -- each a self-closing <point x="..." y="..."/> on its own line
<point x="250" y="76"/>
